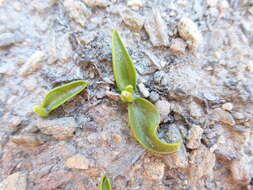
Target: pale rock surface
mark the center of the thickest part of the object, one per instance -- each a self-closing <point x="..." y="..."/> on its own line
<point x="135" y="4"/>
<point x="195" y="110"/>
<point x="177" y="159"/>
<point x="201" y="162"/>
<point x="154" y="168"/>
<point x="97" y="3"/>
<point x="33" y="64"/>
<point x="54" y="179"/>
<point x="223" y="116"/>
<point x="43" y="5"/>
<point x="16" y="181"/>
<point x="194" y="137"/>
<point x="77" y="161"/>
<point x="27" y="140"/>
<point x="77" y="11"/>
<point x="156" y="29"/>
<point x="178" y="46"/>
<point x="62" y="128"/>
<point x="7" y="39"/>
<point x="240" y="170"/>
<point x="164" y="108"/>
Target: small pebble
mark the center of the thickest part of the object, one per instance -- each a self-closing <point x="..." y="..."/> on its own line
<point x="116" y="138"/>
<point x="189" y="31"/>
<point x="143" y="90"/>
<point x="227" y="106"/>
<point x="154" y="97"/>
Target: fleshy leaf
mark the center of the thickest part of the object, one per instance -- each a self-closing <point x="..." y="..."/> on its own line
<point x="123" y="67"/>
<point x="105" y="183"/>
<point x="58" y="96"/>
<point x="144" y="120"/>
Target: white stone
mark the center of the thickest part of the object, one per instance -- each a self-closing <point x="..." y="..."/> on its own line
<point x="188" y="30"/>
<point x="227" y="106"/>
<point x="143" y="90"/>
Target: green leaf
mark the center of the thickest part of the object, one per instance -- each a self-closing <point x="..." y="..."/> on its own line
<point x="58" y="96"/>
<point x="123" y="67"/>
<point x="144" y="120"/>
<point x="105" y="184"/>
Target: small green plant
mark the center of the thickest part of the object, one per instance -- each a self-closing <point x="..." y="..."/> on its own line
<point x="58" y="96"/>
<point x="143" y="116"/>
<point x="105" y="183"/>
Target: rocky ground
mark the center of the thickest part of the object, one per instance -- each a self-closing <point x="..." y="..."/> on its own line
<point x="194" y="61"/>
